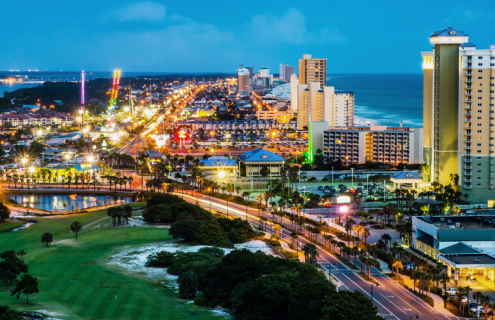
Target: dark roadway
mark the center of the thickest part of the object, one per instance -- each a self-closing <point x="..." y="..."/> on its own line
<point x="393" y="300"/>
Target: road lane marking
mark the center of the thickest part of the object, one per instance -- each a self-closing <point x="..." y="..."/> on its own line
<point x="370" y="296"/>
<point x="414" y="297"/>
<point x="392" y="302"/>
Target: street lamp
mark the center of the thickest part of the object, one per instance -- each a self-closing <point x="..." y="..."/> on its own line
<point x="352" y="178"/>
<point x="209" y="196"/>
<point x="24" y="161"/>
<point x="343" y="210"/>
<point x="31" y="171"/>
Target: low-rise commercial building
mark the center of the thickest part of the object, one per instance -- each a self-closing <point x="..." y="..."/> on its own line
<point x="40" y="119"/>
<point x="464" y="243"/>
<point x="254" y="161"/>
<point x="233" y="125"/>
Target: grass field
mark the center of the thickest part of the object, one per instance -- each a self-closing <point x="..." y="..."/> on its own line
<point x="76" y="283"/>
<point x="6" y="225"/>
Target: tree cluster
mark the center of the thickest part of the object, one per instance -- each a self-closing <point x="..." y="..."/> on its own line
<point x="192" y="223"/>
<point x="4" y="212"/>
<point x="259" y="286"/>
<point x="11" y="268"/>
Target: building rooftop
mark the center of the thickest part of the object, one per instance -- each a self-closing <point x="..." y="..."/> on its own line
<point x="459" y="248"/>
<point x="154" y="153"/>
<point x="449" y="32"/>
<point x="462" y="223"/>
<point x="218" y="161"/>
<point x="261" y="155"/>
<point x="471" y="259"/>
<point x="467" y="44"/>
<point x="406" y="175"/>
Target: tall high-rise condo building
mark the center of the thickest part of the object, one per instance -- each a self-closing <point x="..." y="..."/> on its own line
<point x="458" y="119"/>
<point x="285" y="72"/>
<point x="312" y="70"/>
<point x="243" y="80"/>
<point x="294" y="82"/>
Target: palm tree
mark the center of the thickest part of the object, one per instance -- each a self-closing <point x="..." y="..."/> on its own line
<point x="341" y="245"/>
<point x="294" y="236"/>
<point x="397" y="264"/>
<point x="21" y="253"/>
<point x="477" y="295"/>
<point x="467" y="289"/>
<point x="76" y="226"/>
<point x="363" y="260"/>
<point x="365" y="233"/>
<point x="485" y="301"/>
<point x="414" y="276"/>
<point x="387" y="238"/>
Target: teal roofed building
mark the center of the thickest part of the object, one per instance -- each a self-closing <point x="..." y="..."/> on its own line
<point x="254" y="162"/>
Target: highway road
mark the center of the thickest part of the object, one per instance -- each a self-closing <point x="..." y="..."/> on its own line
<point x="133" y="147"/>
<point x="393" y="300"/>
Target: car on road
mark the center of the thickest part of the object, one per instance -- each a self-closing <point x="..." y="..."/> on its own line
<point x="470" y="211"/>
<point x="321" y="188"/>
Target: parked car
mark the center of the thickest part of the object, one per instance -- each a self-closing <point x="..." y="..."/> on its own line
<point x="470" y="211"/>
<point x="451" y="291"/>
<point x="321" y="188"/>
<point x="480" y="308"/>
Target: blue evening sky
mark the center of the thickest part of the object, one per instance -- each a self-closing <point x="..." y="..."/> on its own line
<point x="216" y="36"/>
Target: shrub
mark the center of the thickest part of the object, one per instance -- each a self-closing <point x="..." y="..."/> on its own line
<point x="185" y="229"/>
<point x="162" y="259"/>
<point x="213" y="251"/>
<point x="163" y="199"/>
<point x="210" y="233"/>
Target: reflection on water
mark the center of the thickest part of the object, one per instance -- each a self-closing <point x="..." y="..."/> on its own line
<point x="65" y="202"/>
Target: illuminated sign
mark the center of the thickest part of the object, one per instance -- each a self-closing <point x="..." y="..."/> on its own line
<point x="343" y="199"/>
<point x="182" y="134"/>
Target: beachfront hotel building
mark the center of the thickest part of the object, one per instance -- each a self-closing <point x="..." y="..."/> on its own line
<point x="315" y="103"/>
<point x="312" y="70"/>
<point x="458" y="107"/>
<point x="377" y="144"/>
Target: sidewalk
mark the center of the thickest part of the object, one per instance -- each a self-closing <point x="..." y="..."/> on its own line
<point x="384" y="266"/>
<point x="437" y="300"/>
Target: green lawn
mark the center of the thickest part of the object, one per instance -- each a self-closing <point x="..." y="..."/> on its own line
<point x="75" y="282"/>
<point x="6" y="225"/>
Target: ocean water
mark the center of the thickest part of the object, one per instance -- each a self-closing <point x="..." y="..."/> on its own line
<point x="385" y="99"/>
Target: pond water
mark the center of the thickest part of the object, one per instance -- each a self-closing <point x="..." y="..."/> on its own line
<point x="24" y="226"/>
<point x="65" y="202"/>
